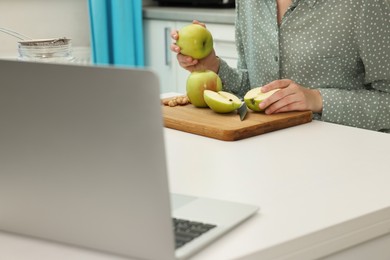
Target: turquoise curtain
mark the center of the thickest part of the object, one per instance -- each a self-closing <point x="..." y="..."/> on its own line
<point x="116" y="32"/>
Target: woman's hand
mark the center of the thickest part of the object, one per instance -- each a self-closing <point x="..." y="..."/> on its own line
<point x="211" y="62"/>
<point x="290" y="97"/>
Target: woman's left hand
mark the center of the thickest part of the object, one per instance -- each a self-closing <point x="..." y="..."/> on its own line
<point x="290" y="97"/>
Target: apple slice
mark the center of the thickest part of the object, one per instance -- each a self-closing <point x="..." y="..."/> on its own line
<point x="254" y="97"/>
<point x="221" y="101"/>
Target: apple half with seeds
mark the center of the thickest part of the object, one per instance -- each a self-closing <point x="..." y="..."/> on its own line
<point x="254" y="97"/>
<point x="221" y="101"/>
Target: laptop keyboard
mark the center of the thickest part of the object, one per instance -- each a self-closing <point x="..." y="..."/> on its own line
<point x="186" y="230"/>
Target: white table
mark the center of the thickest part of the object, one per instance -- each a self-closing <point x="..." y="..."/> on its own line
<point x="321" y="187"/>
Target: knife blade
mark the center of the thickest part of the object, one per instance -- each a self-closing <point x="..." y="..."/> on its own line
<point x="242" y="111"/>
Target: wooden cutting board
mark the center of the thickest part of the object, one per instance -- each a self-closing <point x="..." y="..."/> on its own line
<point x="229" y="127"/>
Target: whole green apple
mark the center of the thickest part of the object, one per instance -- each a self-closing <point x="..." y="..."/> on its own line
<point x="254" y="97"/>
<point x="221" y="101"/>
<point x="198" y="82"/>
<point x="195" y="41"/>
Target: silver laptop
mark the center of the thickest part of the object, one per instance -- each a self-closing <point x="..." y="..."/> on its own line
<point x="82" y="162"/>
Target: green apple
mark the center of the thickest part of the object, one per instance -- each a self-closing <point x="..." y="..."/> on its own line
<point x="198" y="82"/>
<point x="221" y="101"/>
<point x="254" y="97"/>
<point x="195" y="41"/>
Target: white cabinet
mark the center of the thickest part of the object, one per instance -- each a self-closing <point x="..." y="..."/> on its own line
<point x="224" y="43"/>
<point x="158" y="55"/>
<point x="162" y="60"/>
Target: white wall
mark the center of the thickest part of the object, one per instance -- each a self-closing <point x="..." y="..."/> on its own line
<point x="44" y="19"/>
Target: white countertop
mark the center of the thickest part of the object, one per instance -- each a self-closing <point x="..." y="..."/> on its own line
<point x="187" y="14"/>
<point x="321" y="188"/>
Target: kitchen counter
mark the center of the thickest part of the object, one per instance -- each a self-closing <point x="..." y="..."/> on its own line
<point x="322" y="188"/>
<point x="187" y="14"/>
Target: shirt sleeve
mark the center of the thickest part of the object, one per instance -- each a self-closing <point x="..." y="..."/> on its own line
<point x="366" y="108"/>
<point x="235" y="80"/>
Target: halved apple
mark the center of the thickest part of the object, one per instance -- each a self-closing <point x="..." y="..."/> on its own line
<point x="197" y="82"/>
<point x="221" y="101"/>
<point x="254" y="97"/>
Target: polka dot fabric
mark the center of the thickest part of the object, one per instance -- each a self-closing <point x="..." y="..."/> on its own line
<point x="341" y="48"/>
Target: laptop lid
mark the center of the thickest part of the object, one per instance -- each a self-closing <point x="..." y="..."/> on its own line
<point x="82" y="161"/>
<point x="81" y="150"/>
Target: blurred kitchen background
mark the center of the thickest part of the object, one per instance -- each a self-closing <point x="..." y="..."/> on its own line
<point x="71" y="19"/>
<point x="47" y="19"/>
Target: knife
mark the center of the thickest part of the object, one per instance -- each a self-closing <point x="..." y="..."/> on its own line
<point x="242" y="111"/>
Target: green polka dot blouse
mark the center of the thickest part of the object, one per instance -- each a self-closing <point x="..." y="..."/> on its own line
<point x="340" y="47"/>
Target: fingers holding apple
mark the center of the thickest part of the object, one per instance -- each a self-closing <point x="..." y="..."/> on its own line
<point x="195" y="52"/>
<point x="254" y="97"/>
<point x="194" y="40"/>
<point x="198" y="22"/>
<point x="292" y="97"/>
<point x="175" y="37"/>
<point x="186" y="62"/>
<point x="202" y="57"/>
<point x="189" y="63"/>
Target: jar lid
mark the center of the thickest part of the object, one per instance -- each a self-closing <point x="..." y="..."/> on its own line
<point x="45" y="42"/>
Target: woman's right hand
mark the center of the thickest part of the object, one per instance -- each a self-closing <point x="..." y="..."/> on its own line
<point x="211" y="62"/>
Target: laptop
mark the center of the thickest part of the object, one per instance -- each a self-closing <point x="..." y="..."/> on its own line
<point x="82" y="162"/>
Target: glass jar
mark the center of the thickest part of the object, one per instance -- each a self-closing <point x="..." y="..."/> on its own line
<point x="46" y="50"/>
